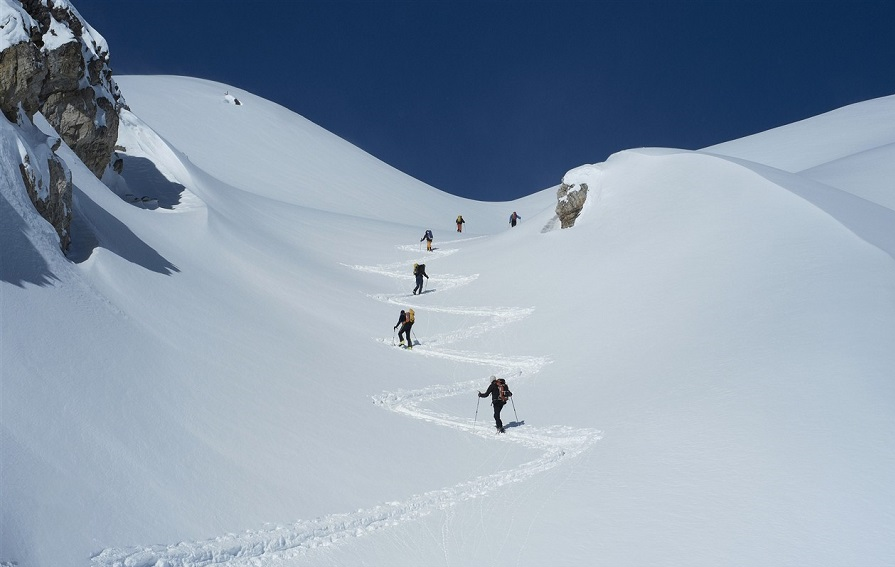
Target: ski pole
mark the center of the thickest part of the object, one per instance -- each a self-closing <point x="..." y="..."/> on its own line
<point x="514" y="409"/>
<point x="478" y="399"/>
<point x="414" y="336"/>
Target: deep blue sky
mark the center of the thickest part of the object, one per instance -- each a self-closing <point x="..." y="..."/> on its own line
<point x="495" y="100"/>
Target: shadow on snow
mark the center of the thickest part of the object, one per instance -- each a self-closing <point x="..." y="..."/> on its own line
<point x="20" y="261"/>
<point x="93" y="227"/>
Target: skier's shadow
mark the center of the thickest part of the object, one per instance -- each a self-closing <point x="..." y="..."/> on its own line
<point x="514" y="424"/>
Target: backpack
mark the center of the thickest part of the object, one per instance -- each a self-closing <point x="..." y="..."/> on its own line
<point x="416" y="269"/>
<point x="429" y="235"/>
<point x="409" y="318"/>
<point x="460" y="220"/>
<point x="502" y="391"/>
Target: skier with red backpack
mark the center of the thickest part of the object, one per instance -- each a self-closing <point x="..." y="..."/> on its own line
<point x="499" y="393"/>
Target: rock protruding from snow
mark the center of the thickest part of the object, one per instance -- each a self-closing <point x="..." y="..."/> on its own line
<point x="53" y="62"/>
<point x="569" y="202"/>
<point x="572" y="193"/>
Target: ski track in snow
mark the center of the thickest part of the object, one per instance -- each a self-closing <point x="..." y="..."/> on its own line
<point x="277" y="545"/>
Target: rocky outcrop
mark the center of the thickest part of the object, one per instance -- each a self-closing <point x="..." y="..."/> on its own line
<point x="577" y="185"/>
<point x="22" y="75"/>
<point x="60" y="66"/>
<point x="52" y="61"/>
<point x="569" y="202"/>
<point x="74" y="115"/>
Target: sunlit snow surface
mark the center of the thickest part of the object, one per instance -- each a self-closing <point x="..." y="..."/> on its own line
<point x="701" y="366"/>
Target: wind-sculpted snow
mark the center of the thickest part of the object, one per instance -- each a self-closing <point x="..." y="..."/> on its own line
<point x="277" y="545"/>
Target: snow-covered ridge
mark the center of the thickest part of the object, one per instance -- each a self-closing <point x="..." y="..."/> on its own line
<point x="857" y="128"/>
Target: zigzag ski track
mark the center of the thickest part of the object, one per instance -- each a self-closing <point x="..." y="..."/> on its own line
<point x="280" y="544"/>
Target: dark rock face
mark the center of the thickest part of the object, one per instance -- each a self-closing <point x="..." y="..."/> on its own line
<point x="570" y="200"/>
<point x="59" y="66"/>
<point x="22" y="75"/>
<point x="74" y="114"/>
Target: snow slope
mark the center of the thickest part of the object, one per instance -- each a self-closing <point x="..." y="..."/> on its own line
<point x="701" y="366"/>
<point x="849" y="148"/>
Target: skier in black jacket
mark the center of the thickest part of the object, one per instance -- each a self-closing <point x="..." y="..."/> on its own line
<point x="419" y="270"/>
<point x="499" y="393"/>
<point x="405" y="319"/>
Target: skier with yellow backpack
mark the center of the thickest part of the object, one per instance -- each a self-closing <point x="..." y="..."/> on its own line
<point x="406" y="320"/>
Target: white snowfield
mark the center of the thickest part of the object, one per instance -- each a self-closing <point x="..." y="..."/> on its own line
<point x="285" y="543"/>
<point x="702" y="367"/>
